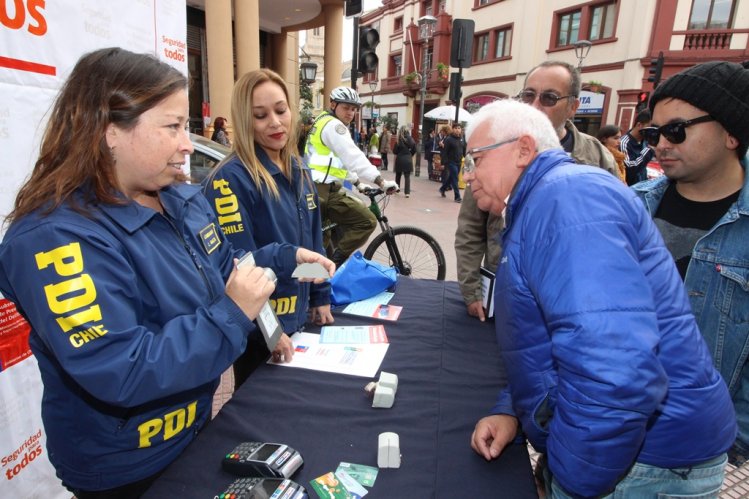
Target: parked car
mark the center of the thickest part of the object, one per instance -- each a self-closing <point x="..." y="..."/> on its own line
<point x="205" y="157"/>
<point x="654" y="169"/>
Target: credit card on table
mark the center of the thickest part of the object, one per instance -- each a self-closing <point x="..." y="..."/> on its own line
<point x="329" y="487"/>
<point x="365" y="475"/>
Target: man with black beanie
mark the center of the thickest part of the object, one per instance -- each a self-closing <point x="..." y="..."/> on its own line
<point x="700" y="132"/>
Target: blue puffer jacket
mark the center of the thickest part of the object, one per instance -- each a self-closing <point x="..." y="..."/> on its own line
<point x="131" y="327"/>
<point x="605" y="363"/>
<point x="252" y="218"/>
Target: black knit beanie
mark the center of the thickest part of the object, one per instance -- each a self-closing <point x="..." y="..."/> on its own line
<point x="719" y="88"/>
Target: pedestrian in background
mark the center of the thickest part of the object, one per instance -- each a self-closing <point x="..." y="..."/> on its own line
<point x="385" y="146"/>
<point x="429" y="152"/>
<point x="610" y="136"/>
<point x="453" y="155"/>
<point x="374" y="141"/>
<point x="636" y="150"/>
<point x="404" y="150"/>
<point x="219" y="132"/>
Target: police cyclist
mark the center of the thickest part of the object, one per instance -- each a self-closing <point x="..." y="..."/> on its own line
<point x="333" y="157"/>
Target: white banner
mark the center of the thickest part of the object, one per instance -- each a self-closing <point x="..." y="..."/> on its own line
<point x="40" y="42"/>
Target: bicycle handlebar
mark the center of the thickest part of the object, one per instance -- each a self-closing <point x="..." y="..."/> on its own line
<point x="373" y="192"/>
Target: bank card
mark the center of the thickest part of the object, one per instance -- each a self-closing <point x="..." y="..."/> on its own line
<point x="310" y="271"/>
<point x="328" y="486"/>
<point x="365" y="475"/>
<point x="354" y="488"/>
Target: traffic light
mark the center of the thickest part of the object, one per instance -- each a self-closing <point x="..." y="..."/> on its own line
<point x="455" y="91"/>
<point x="656" y="70"/>
<point x="642" y="100"/>
<point x="369" y="38"/>
<point x="353" y="8"/>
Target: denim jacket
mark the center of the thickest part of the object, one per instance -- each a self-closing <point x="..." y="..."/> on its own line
<point x="717" y="282"/>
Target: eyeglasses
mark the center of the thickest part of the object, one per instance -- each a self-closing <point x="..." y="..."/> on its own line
<point x="469" y="166"/>
<point x="547" y="99"/>
<point x="676" y="133"/>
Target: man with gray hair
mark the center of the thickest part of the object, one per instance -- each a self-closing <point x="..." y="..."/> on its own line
<point x="607" y="371"/>
<point x="552" y="87"/>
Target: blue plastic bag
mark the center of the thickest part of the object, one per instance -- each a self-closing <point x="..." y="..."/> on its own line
<point x="358" y="279"/>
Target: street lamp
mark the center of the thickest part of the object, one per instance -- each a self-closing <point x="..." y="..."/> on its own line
<point x="582" y="48"/>
<point x="372" y="87"/>
<point x="308" y="69"/>
<point x="426" y="29"/>
<point x="309" y="72"/>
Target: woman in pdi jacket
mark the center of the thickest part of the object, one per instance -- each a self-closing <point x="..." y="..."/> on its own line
<point x="262" y="194"/>
<point x="135" y="303"/>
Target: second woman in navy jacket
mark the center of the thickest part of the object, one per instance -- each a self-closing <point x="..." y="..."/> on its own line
<point x="262" y="194"/>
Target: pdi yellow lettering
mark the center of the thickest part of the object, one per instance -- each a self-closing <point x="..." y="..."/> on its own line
<point x="83" y="286"/>
<point x="66" y="259"/>
<point x="91" y="314"/>
<point x="222" y="186"/>
<point x="173" y="423"/>
<point x="226" y="205"/>
<point x="147" y="431"/>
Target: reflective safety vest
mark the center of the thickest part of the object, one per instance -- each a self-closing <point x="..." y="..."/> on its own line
<point x="318" y="156"/>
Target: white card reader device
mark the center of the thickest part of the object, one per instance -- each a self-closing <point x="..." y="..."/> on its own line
<point x="266" y="319"/>
<point x="388" y="450"/>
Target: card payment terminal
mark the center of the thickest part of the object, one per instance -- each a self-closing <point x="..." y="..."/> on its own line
<point x="258" y="459"/>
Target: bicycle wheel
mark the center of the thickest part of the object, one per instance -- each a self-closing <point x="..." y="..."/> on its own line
<point x="421" y="254"/>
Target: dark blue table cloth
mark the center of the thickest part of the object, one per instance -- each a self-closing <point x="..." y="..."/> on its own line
<point x="449" y="371"/>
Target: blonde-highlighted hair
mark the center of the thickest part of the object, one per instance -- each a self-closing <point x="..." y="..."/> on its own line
<point x="243" y="146"/>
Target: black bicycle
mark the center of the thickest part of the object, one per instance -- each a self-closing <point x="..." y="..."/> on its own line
<point x="412" y="251"/>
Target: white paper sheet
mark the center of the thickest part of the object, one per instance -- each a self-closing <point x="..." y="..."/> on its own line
<point x="356" y="360"/>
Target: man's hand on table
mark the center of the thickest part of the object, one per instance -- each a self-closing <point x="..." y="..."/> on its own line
<point x="476" y="309"/>
<point x="492" y="434"/>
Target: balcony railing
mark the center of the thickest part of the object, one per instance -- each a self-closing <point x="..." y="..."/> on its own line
<point x="708" y="40"/>
<point x="435" y="84"/>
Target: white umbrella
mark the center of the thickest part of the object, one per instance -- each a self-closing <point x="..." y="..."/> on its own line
<point x="448" y="113"/>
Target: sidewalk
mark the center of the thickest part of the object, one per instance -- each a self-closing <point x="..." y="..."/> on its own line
<point x="427" y="210"/>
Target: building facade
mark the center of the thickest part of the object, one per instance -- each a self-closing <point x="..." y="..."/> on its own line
<point x="512" y="36"/>
<point x="227" y="38"/>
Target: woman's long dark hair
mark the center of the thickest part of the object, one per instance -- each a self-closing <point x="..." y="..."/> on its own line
<point x="107" y="86"/>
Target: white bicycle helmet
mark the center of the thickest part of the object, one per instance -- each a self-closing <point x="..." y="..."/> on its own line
<point x="345" y="95"/>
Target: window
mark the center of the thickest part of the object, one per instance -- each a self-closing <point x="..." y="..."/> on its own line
<point x="711" y="14"/>
<point x="502" y="44"/>
<point x="602" y="20"/>
<point x="398" y="24"/>
<point x="569" y="28"/>
<point x="429" y="7"/>
<point x="396" y="65"/>
<point x="316" y="31"/>
<point x="482" y="48"/>
<point x="492" y="45"/>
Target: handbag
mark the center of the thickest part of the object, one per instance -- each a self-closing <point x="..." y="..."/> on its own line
<point x="359" y="279"/>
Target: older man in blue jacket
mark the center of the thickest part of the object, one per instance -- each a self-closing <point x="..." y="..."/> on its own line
<point x="608" y="373"/>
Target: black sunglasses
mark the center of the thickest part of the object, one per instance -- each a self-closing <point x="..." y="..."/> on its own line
<point x="676" y="133"/>
<point x="547" y="99"/>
